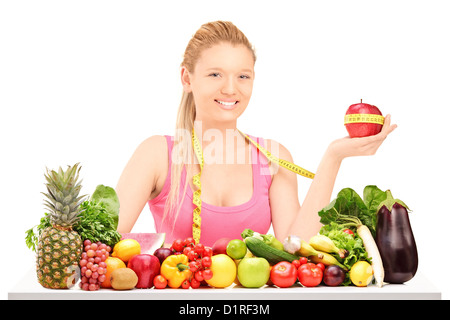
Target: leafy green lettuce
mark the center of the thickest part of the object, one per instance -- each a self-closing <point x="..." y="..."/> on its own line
<point x="343" y="213"/>
<point x="349" y="203"/>
<point x="352" y="243"/>
<point x="107" y="196"/>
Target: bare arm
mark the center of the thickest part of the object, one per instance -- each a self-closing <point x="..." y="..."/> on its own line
<point x="144" y="172"/>
<point x="287" y="215"/>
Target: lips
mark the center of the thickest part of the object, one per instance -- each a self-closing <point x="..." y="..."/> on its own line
<point x="227" y="104"/>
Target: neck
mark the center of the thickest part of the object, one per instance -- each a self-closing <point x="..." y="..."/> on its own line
<point x="204" y="128"/>
<point x="220" y="141"/>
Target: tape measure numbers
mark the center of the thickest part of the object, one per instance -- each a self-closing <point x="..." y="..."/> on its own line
<point x="363" y="118"/>
<point x="196" y="199"/>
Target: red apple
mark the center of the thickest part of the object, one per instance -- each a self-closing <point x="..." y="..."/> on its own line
<point x="146" y="266"/>
<point x="359" y="123"/>
<point x="220" y="246"/>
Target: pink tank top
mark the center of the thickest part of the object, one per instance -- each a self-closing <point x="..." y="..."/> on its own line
<point x="217" y="222"/>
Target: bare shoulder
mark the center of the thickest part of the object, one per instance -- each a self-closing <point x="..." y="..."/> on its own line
<point x="277" y="149"/>
<point x="150" y="159"/>
<point x="154" y="150"/>
<point x="156" y="142"/>
<point x="140" y="179"/>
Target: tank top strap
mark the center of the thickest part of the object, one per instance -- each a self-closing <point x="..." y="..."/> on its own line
<point x="169" y="140"/>
<point x="263" y="174"/>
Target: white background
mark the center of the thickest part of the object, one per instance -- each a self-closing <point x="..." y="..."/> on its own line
<point x="87" y="81"/>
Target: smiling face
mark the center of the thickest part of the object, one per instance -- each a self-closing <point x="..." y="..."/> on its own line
<point x="221" y="83"/>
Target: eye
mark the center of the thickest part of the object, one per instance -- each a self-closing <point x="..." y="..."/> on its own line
<point x="244" y="76"/>
<point x="214" y="75"/>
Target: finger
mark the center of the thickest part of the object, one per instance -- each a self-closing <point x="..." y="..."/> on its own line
<point x="387" y="127"/>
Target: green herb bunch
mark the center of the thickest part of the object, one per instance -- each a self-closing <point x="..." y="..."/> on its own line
<point x="98" y="219"/>
<point x="96" y="224"/>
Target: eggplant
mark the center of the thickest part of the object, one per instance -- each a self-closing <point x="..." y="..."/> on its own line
<point x="395" y="241"/>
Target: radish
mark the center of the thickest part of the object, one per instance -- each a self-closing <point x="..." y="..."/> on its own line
<point x="369" y="244"/>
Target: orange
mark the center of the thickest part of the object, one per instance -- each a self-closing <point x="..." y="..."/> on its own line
<point x="126" y="249"/>
<point x="111" y="265"/>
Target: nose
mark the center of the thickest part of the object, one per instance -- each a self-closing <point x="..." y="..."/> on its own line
<point x="229" y="86"/>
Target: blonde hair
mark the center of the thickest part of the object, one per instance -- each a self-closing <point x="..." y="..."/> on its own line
<point x="207" y="36"/>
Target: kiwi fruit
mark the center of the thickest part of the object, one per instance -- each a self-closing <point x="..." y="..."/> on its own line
<point x="123" y="279"/>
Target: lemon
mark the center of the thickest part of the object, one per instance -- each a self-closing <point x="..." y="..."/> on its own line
<point x="361" y="274"/>
<point x="126" y="249"/>
<point x="224" y="271"/>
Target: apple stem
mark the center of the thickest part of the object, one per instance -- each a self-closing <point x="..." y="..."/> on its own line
<point x="361" y="100"/>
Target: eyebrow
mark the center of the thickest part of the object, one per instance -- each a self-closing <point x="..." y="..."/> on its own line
<point x="220" y="69"/>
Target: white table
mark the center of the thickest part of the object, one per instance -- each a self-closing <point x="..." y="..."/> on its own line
<point x="417" y="288"/>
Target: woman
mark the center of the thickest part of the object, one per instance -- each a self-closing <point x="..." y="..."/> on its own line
<point x="239" y="188"/>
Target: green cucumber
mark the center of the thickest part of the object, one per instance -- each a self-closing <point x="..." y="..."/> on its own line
<point x="261" y="249"/>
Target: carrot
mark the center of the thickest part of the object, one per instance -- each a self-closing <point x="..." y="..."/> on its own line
<point x="369" y="244"/>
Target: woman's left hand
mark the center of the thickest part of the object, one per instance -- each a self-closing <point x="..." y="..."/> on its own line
<point x="366" y="146"/>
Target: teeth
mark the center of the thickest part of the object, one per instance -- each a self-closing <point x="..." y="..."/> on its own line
<point x="226" y="103"/>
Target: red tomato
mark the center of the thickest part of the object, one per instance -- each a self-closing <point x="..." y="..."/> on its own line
<point x="303" y="260"/>
<point x="207" y="274"/>
<point x="206" y="262"/>
<point x="207" y="252"/>
<point x="178" y="245"/>
<point x="350" y="232"/>
<point x="296" y="263"/>
<point x="186" y="284"/>
<point x="189" y="242"/>
<point x="283" y="274"/>
<point x="160" y="282"/>
<point x="195" y="283"/>
<point x="310" y="275"/>
<point x="321" y="266"/>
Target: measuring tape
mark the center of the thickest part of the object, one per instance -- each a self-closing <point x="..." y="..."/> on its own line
<point x="196" y="199"/>
<point x="363" y="118"/>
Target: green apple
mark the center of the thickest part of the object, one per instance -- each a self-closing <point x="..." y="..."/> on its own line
<point x="253" y="272"/>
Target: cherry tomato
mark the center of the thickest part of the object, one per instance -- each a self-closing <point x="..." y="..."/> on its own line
<point x="159" y="282"/>
<point x="207" y="274"/>
<point x="321" y="266"/>
<point x="296" y="263"/>
<point x="193" y="266"/>
<point x="350" y="232"/>
<point x="189" y="242"/>
<point x="207" y="252"/>
<point x="206" y="262"/>
<point x="303" y="260"/>
<point x="198" y="249"/>
<point x="310" y="275"/>
<point x="186" y="284"/>
<point x="186" y="250"/>
<point x="178" y="245"/>
<point x="283" y="274"/>
<point x="195" y="283"/>
<point x="199" y="276"/>
<point x="192" y="255"/>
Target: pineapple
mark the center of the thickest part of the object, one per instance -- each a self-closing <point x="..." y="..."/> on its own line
<point x="59" y="247"/>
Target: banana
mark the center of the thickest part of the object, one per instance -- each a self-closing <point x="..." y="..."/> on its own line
<point x="325" y="244"/>
<point x="306" y="250"/>
<point x="327" y="259"/>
